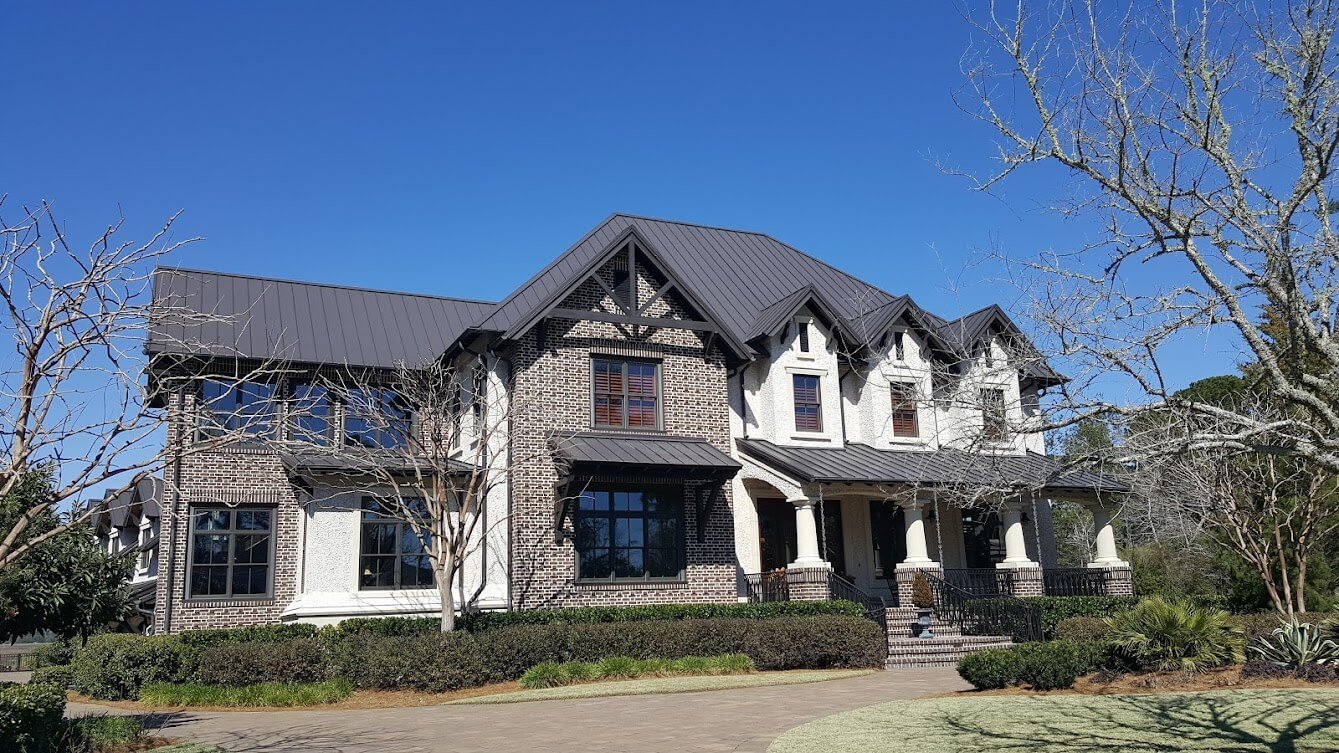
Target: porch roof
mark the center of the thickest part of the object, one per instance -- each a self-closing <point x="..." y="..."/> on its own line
<point x="860" y="463"/>
<point x="643" y="450"/>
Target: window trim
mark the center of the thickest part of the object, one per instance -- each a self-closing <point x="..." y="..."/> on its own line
<point x="910" y="397"/>
<point x="400" y="526"/>
<point x="232" y="533"/>
<point x="795" y="403"/>
<point x="660" y="392"/>
<point x="610" y="514"/>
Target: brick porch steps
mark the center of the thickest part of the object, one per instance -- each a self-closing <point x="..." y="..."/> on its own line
<point x="902" y="623"/>
<point x="939" y="651"/>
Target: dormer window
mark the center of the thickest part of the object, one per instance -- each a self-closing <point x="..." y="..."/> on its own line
<point x="899" y="347"/>
<point x="804" y="337"/>
<point x="904" y="409"/>
<point x="808" y="406"/>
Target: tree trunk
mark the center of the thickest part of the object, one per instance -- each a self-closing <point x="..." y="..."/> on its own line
<point x="447" y="594"/>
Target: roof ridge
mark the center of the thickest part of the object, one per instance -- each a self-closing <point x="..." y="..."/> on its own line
<point x="685" y="223"/>
<point x="335" y="285"/>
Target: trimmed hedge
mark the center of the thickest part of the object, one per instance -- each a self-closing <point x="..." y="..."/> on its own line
<point x="1040" y="666"/>
<point x="32" y="717"/>
<point x="1083" y="629"/>
<point x="297" y="661"/>
<point x="1057" y="608"/>
<point x="202" y="639"/>
<point x="438" y="662"/>
<point x="479" y="622"/>
<point x="114" y="666"/>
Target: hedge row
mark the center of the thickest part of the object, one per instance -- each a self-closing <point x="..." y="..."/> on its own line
<point x="31" y="717"/>
<point x="1040" y="666"/>
<point x="117" y="666"/>
<point x="481" y="621"/>
<point x="1057" y="608"/>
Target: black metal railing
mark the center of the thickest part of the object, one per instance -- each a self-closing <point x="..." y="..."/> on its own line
<point x="978" y="614"/>
<point x="1074" y="581"/>
<point x="875" y="607"/>
<point x="981" y="581"/>
<point x="771" y="586"/>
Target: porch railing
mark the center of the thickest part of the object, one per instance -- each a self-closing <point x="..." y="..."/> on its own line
<point x="875" y="607"/>
<point x="978" y="614"/>
<point x="981" y="581"/>
<point x="771" y="586"/>
<point x="1074" y="581"/>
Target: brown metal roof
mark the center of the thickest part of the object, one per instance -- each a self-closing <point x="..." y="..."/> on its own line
<point x="860" y="463"/>
<point x="649" y="450"/>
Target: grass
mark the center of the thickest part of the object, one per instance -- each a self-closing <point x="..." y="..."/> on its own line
<point x="664" y="685"/>
<point x="262" y="695"/>
<point x="103" y="732"/>
<point x="1240" y="721"/>
<point x="552" y="674"/>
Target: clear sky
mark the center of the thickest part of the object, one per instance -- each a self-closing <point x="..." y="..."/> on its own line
<point x="454" y="148"/>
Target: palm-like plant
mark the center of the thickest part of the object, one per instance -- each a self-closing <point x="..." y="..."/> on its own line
<point x="1294" y="644"/>
<point x="1165" y="636"/>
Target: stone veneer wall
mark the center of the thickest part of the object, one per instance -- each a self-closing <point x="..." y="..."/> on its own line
<point x="552" y="389"/>
<point x="240" y="478"/>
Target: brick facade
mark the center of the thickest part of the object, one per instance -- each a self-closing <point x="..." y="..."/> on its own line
<point x="551" y="386"/>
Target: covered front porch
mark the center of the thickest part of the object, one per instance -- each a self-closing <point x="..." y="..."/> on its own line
<point x="860" y="522"/>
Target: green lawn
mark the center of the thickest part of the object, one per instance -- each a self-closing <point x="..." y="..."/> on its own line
<point x="658" y="685"/>
<point x="1232" y="721"/>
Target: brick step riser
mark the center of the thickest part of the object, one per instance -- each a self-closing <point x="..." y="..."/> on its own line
<point x="913" y="659"/>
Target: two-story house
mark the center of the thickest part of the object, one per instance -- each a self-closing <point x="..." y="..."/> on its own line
<point x="692" y="414"/>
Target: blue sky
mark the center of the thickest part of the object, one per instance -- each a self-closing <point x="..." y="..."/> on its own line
<point x="455" y="148"/>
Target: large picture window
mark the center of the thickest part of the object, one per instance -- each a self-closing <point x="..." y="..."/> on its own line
<point x="311" y="414"/>
<point x="231" y="552"/>
<point x="391" y="554"/>
<point x="808" y="407"/>
<point x="630" y="534"/>
<point x="376" y="418"/>
<point x="237" y="406"/>
<point x="626" y="394"/>
<point x="904" y="409"/>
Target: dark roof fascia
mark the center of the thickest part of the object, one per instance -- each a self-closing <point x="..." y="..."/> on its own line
<point x="739" y="350"/>
<point x="771" y="322"/>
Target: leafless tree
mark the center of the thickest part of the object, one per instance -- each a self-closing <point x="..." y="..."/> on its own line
<point x="1199" y="141"/>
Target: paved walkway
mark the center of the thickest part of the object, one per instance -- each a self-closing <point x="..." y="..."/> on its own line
<point x="745" y="720"/>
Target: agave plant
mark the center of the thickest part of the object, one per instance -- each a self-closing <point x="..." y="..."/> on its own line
<point x="1176" y="636"/>
<point x="1294" y="644"/>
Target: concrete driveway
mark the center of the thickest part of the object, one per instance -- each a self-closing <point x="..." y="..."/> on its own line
<point x="745" y="720"/>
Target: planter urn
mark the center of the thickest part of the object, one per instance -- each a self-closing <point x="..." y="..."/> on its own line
<point x="923" y="619"/>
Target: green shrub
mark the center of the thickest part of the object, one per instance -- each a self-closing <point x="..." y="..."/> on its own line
<point x="1051" y="666"/>
<point x="1057" y="608"/>
<point x="56" y="654"/>
<point x="1295" y="644"/>
<point x="617" y="667"/>
<point x="31" y="717"/>
<point x="294" y="661"/>
<point x="60" y="675"/>
<point x="1084" y="629"/>
<point x="508" y="653"/>
<point x="990" y="669"/>
<point x="388" y="626"/>
<point x="97" y="733"/>
<point x="1176" y="636"/>
<point x="259" y="695"/>
<point x="202" y="639"/>
<point x="435" y="662"/>
<point x="577" y="671"/>
<point x="114" y="666"/>
<point x="549" y="674"/>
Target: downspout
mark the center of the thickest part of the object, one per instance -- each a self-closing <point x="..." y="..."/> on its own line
<point x="841" y="400"/>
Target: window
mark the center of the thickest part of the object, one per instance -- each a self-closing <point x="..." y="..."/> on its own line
<point x="376" y="418"/>
<point x="904" y="409"/>
<point x="630" y="533"/>
<point x="146" y="551"/>
<point x="392" y="555"/>
<point x="899" y="346"/>
<point x="994" y="422"/>
<point x="231" y="552"/>
<point x="626" y="394"/>
<point x="311" y="414"/>
<point x="808" y="409"/>
<point x="804" y="337"/>
<point x="248" y="407"/>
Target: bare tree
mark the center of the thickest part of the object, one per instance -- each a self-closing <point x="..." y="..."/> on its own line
<point x="1200" y="140"/>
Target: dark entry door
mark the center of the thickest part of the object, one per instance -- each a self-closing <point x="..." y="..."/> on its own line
<point x="890" y="539"/>
<point x="981" y="543"/>
<point x="776" y="533"/>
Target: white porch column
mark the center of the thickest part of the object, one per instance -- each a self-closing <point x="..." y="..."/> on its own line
<point x="1104" y="535"/>
<point x="807" y="553"/>
<point x="1015" y="543"/>
<point x="913" y="527"/>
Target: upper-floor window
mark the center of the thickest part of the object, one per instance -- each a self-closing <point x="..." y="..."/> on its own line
<point x="808" y="406"/>
<point x="630" y="533"/>
<point x="994" y="420"/>
<point x="237" y="406"/>
<point x="804" y="337"/>
<point x="899" y="346"/>
<point x="311" y="415"/>
<point x="231" y="551"/>
<point x="376" y="418"/>
<point x="904" y="409"/>
<point x="392" y="554"/>
<point x="625" y="394"/>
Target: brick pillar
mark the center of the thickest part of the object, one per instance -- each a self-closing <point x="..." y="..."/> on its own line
<point x="808" y="583"/>
<point x="906" y="575"/>
<point x="1118" y="581"/>
<point x="1026" y="581"/>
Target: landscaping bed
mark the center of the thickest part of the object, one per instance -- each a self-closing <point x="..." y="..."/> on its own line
<point x="1242" y="721"/>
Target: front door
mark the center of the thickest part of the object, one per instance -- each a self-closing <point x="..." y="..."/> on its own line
<point x="982" y="545"/>
<point x="776" y="533"/>
<point x="890" y="538"/>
